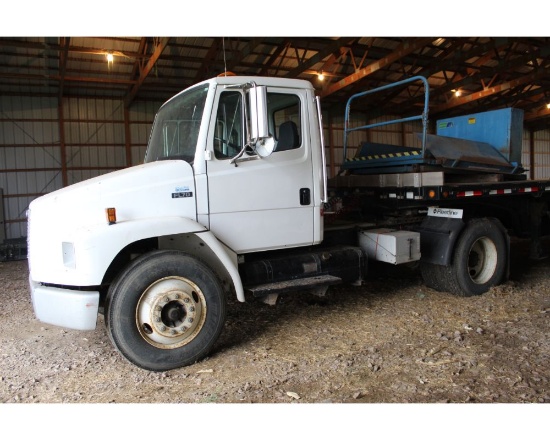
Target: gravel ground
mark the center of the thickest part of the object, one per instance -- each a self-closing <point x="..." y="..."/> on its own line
<point x="390" y="341"/>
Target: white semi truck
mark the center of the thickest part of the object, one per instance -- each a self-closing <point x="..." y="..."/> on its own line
<point x="233" y="199"/>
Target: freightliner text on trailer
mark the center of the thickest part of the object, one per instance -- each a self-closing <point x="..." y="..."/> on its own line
<point x="233" y="199"/>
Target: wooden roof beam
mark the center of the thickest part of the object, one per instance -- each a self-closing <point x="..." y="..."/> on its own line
<point x="91" y="79"/>
<point x="247" y="50"/>
<point x="320" y="56"/>
<point x="500" y="88"/>
<point x="145" y="71"/>
<point x="402" y="50"/>
<point x="208" y="60"/>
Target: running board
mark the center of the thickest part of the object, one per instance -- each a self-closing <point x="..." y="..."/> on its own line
<point x="292" y="285"/>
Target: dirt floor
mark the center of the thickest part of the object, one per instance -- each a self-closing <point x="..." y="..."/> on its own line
<point x="390" y="341"/>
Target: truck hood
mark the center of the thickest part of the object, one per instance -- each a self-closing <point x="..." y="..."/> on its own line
<point x="142" y="191"/>
<point x="64" y="227"/>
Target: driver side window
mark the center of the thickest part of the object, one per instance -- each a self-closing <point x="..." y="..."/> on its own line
<point x="286" y="119"/>
<point x="229" y="132"/>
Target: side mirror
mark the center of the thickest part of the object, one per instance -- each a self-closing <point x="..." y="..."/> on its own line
<point x="258" y="113"/>
<point x="259" y="139"/>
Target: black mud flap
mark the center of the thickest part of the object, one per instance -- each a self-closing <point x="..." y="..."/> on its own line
<point x="438" y="236"/>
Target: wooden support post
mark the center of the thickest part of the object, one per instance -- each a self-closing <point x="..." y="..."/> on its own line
<point x="532" y="154"/>
<point x="127" y="137"/>
<point x="62" y="145"/>
<point x="331" y="145"/>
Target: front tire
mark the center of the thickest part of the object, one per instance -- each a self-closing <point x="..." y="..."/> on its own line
<point x="165" y="310"/>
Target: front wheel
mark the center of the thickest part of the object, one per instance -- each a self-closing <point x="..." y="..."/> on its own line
<point x="165" y="311"/>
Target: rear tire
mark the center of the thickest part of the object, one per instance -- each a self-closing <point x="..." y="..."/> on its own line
<point x="165" y="310"/>
<point x="479" y="261"/>
<point x="433" y="276"/>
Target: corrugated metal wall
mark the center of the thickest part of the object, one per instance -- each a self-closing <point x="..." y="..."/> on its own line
<point x="29" y="156"/>
<point x="96" y="137"/>
<point x="541" y="154"/>
<point x="141" y="116"/>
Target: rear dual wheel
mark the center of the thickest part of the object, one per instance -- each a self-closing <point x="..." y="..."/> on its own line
<point x="479" y="261"/>
<point x="165" y="310"/>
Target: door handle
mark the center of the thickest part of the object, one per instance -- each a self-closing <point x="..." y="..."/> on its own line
<point x="305" y="196"/>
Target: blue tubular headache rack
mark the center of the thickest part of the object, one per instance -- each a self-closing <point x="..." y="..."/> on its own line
<point x="487" y="142"/>
<point x="376" y="155"/>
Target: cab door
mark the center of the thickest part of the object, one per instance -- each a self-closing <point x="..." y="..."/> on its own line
<point x="261" y="203"/>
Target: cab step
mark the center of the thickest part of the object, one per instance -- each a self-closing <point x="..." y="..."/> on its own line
<point x="292" y="285"/>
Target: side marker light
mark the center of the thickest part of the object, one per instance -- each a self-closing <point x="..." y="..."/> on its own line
<point x="111" y="215"/>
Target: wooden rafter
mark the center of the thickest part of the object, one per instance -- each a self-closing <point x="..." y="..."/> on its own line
<point x="145" y="71"/>
<point x="63" y="66"/>
<point x="500" y="88"/>
<point x="404" y="49"/>
<point x="319" y="56"/>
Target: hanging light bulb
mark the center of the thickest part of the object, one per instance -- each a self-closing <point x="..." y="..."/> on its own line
<point x="110" y="57"/>
<point x="321" y="76"/>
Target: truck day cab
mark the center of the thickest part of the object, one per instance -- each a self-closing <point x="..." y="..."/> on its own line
<point x="232" y="199"/>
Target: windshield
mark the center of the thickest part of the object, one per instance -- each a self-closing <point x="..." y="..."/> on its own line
<point x="176" y="127"/>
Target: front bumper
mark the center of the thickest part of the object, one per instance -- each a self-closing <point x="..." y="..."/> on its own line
<point x="74" y="309"/>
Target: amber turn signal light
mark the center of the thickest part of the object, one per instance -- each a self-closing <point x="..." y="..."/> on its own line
<point x="111" y="215"/>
